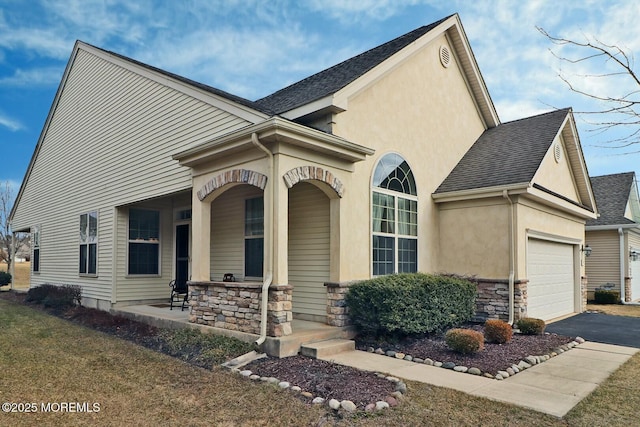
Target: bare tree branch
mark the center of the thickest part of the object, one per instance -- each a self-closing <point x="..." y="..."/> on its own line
<point x="617" y="111"/>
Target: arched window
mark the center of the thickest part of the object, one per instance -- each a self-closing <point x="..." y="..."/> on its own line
<point x="395" y="217"/>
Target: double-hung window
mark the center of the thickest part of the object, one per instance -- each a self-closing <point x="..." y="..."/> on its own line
<point x="394" y="217"/>
<point x="254" y="237"/>
<point x="89" y="243"/>
<point x="144" y="241"/>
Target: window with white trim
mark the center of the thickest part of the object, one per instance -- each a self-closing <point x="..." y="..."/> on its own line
<point x="254" y="237"/>
<point x="144" y="241"/>
<point x="88" y="264"/>
<point x="35" y="244"/>
<point x="394" y="217"/>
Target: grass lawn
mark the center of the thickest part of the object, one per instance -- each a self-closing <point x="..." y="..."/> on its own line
<point x="22" y="274"/>
<point x="46" y="359"/>
<point x="616" y="309"/>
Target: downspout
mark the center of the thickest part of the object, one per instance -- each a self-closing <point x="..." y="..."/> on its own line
<point x="512" y="256"/>
<point x="622" y="269"/>
<point x="268" y="206"/>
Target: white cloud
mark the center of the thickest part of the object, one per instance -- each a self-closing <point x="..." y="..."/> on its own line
<point x="33" y="77"/>
<point x="348" y="11"/>
<point x="10" y="123"/>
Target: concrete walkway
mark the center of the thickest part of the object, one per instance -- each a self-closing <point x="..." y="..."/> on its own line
<point x="553" y="387"/>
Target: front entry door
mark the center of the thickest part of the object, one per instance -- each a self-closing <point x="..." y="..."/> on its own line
<point x="182" y="253"/>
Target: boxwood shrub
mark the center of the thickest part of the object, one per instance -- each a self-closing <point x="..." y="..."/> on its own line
<point x="603" y="296"/>
<point x="410" y="303"/>
<point x="465" y="341"/>
<point x="55" y="297"/>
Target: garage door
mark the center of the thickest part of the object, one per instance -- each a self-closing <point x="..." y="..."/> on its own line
<point x="551" y="288"/>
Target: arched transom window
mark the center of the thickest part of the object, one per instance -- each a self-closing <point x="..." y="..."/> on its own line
<point x="394" y="217"/>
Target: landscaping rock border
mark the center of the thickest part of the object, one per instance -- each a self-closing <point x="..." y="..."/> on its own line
<point x="390" y="401"/>
<point x="526" y="363"/>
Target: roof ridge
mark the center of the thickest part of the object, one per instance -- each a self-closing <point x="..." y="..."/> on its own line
<point x="565" y="109"/>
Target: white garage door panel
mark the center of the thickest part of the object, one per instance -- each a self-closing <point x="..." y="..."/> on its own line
<point x="550" y="268"/>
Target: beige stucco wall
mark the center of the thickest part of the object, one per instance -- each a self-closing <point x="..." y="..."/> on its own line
<point x="424" y="112"/>
<point x="557" y="176"/>
<point x="474" y="238"/>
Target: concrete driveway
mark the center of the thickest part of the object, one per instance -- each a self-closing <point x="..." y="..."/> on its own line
<point x="598" y="327"/>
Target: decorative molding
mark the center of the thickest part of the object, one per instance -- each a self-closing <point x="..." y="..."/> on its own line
<point x="306" y="173"/>
<point x="241" y="176"/>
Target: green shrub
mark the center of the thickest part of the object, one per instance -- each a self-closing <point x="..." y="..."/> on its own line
<point x="603" y="296"/>
<point x="531" y="326"/>
<point x="464" y="341"/>
<point x="497" y="331"/>
<point x="56" y="297"/>
<point x="5" y="278"/>
<point x="39" y="293"/>
<point x="410" y="303"/>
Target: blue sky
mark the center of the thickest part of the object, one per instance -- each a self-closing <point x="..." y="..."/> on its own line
<point x="253" y="47"/>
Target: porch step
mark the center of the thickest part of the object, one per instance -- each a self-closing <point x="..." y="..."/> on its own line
<point x="327" y="348"/>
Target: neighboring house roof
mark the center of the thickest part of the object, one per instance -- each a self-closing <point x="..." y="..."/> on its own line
<point x="509" y="153"/>
<point x="337" y="77"/>
<point x="612" y="193"/>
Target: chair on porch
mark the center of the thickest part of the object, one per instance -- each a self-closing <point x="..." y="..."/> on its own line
<point x="179" y="293"/>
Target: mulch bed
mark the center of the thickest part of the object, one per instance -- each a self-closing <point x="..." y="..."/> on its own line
<point x="494" y="357"/>
<point x="325" y="379"/>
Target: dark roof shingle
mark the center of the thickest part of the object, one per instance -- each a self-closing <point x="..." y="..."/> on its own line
<point x="335" y="78"/>
<point x="509" y="153"/>
<point x="612" y="195"/>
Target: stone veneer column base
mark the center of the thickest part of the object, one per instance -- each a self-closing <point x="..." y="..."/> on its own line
<point x="236" y="306"/>
<point x="337" y="310"/>
<point x="627" y="289"/>
<point x="583" y="292"/>
<point x="492" y="300"/>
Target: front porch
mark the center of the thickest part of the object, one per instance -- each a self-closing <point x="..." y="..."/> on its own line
<point x="303" y="331"/>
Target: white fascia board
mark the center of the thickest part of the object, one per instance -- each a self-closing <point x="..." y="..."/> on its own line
<point x="479" y="193"/>
<point x="611" y="227"/>
<point x="239" y="110"/>
<point x="554" y="201"/>
<point x="326" y="103"/>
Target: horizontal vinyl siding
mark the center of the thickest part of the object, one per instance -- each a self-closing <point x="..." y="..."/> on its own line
<point x="132" y="288"/>
<point x="603" y="266"/>
<point x="227" y="231"/>
<point x="309" y="223"/>
<point x="109" y="143"/>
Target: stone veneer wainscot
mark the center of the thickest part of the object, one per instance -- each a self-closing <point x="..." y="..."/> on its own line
<point x="236" y="306"/>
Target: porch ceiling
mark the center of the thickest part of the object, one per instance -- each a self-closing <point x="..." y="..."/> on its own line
<point x="275" y="129"/>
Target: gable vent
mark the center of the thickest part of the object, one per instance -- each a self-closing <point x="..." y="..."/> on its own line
<point x="445" y="56"/>
<point x="557" y="152"/>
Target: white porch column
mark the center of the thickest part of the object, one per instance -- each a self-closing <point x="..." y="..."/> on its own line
<point x="200" y="240"/>
<point x="280" y="229"/>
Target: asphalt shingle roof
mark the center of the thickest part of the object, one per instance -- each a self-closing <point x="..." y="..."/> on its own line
<point x="612" y="194"/>
<point x="335" y="78"/>
<point x="509" y="153"/>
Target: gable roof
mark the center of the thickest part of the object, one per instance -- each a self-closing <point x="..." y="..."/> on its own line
<point x="507" y="154"/>
<point x="612" y="193"/>
<point x="202" y="86"/>
<point x="340" y="75"/>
